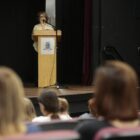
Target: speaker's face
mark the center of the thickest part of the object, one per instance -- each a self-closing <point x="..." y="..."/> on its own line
<point x="42" y="18"/>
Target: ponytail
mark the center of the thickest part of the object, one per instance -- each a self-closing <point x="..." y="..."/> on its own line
<point x="55" y="116"/>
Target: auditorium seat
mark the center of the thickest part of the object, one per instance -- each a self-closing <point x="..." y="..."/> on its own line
<point x="58" y="125"/>
<point x="51" y="135"/>
<point x="112" y="133"/>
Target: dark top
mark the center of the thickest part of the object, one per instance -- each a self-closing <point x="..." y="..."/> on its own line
<point x="88" y="129"/>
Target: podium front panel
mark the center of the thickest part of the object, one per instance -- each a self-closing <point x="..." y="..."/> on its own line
<point x="46" y="61"/>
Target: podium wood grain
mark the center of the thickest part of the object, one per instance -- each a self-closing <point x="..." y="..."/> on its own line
<point x="46" y="63"/>
<point x="46" y="68"/>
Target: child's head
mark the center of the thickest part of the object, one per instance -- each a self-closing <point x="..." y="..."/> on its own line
<point x="29" y="110"/>
<point x="92" y="107"/>
<point x="63" y="105"/>
<point x="49" y="103"/>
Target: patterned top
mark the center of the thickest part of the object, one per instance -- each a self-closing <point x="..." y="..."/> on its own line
<point x="40" y="27"/>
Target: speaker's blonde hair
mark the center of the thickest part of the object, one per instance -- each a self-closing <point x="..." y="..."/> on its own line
<point x="11" y="102"/>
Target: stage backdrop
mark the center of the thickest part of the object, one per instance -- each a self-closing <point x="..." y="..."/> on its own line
<point x="16" y="50"/>
<point x="116" y="24"/>
<point x="118" y="31"/>
<point x="17" y="21"/>
<point x="70" y="19"/>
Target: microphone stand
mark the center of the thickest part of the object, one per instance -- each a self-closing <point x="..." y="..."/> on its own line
<point x="56" y="85"/>
<point x="57" y="40"/>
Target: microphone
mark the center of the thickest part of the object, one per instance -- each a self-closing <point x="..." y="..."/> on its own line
<point x="54" y="27"/>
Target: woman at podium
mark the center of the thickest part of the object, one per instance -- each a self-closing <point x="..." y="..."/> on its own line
<point x="43" y="25"/>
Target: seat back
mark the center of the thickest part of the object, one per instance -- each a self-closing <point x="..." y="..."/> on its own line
<point x="58" y="125"/>
<point x="51" y="135"/>
<point x="112" y="133"/>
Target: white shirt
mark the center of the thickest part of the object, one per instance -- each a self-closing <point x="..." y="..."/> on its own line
<point x="48" y="118"/>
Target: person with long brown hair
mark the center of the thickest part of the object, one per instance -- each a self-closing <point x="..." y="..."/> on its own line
<point x="116" y="99"/>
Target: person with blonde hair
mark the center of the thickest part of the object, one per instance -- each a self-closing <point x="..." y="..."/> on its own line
<point x="64" y="107"/>
<point x="29" y="110"/>
<point x="11" y="104"/>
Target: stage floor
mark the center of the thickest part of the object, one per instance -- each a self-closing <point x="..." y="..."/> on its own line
<point x="77" y="97"/>
<point x="32" y="92"/>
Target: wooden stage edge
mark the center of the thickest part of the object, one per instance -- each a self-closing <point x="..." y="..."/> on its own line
<point x="32" y="92"/>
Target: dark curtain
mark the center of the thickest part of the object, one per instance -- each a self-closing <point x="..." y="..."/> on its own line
<point x="70" y="18"/>
<point x="16" y="50"/>
<point x="87" y="53"/>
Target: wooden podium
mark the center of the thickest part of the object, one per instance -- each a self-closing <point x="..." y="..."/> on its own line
<point x="47" y="52"/>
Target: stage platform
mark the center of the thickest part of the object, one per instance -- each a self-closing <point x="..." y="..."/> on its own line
<point x="77" y="97"/>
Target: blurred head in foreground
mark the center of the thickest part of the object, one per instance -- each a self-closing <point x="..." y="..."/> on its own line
<point x="116" y="93"/>
<point x="11" y="103"/>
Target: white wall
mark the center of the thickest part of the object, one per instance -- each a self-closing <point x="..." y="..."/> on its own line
<point x="50" y="9"/>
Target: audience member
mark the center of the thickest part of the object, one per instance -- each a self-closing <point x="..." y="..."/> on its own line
<point x="12" y="104"/>
<point x="29" y="110"/>
<point x="43" y="25"/>
<point x="92" y="110"/>
<point x="116" y="99"/>
<point x="49" y="106"/>
<point x="64" y="107"/>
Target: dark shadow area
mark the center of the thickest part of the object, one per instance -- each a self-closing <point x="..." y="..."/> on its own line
<point x="17" y="21"/>
<point x="110" y="53"/>
<point x="70" y="19"/>
<point x="119" y="31"/>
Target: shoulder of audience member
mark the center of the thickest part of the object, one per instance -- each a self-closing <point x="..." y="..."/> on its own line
<point x="86" y="116"/>
<point x="39" y="118"/>
<point x="65" y="117"/>
<point x="89" y="128"/>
